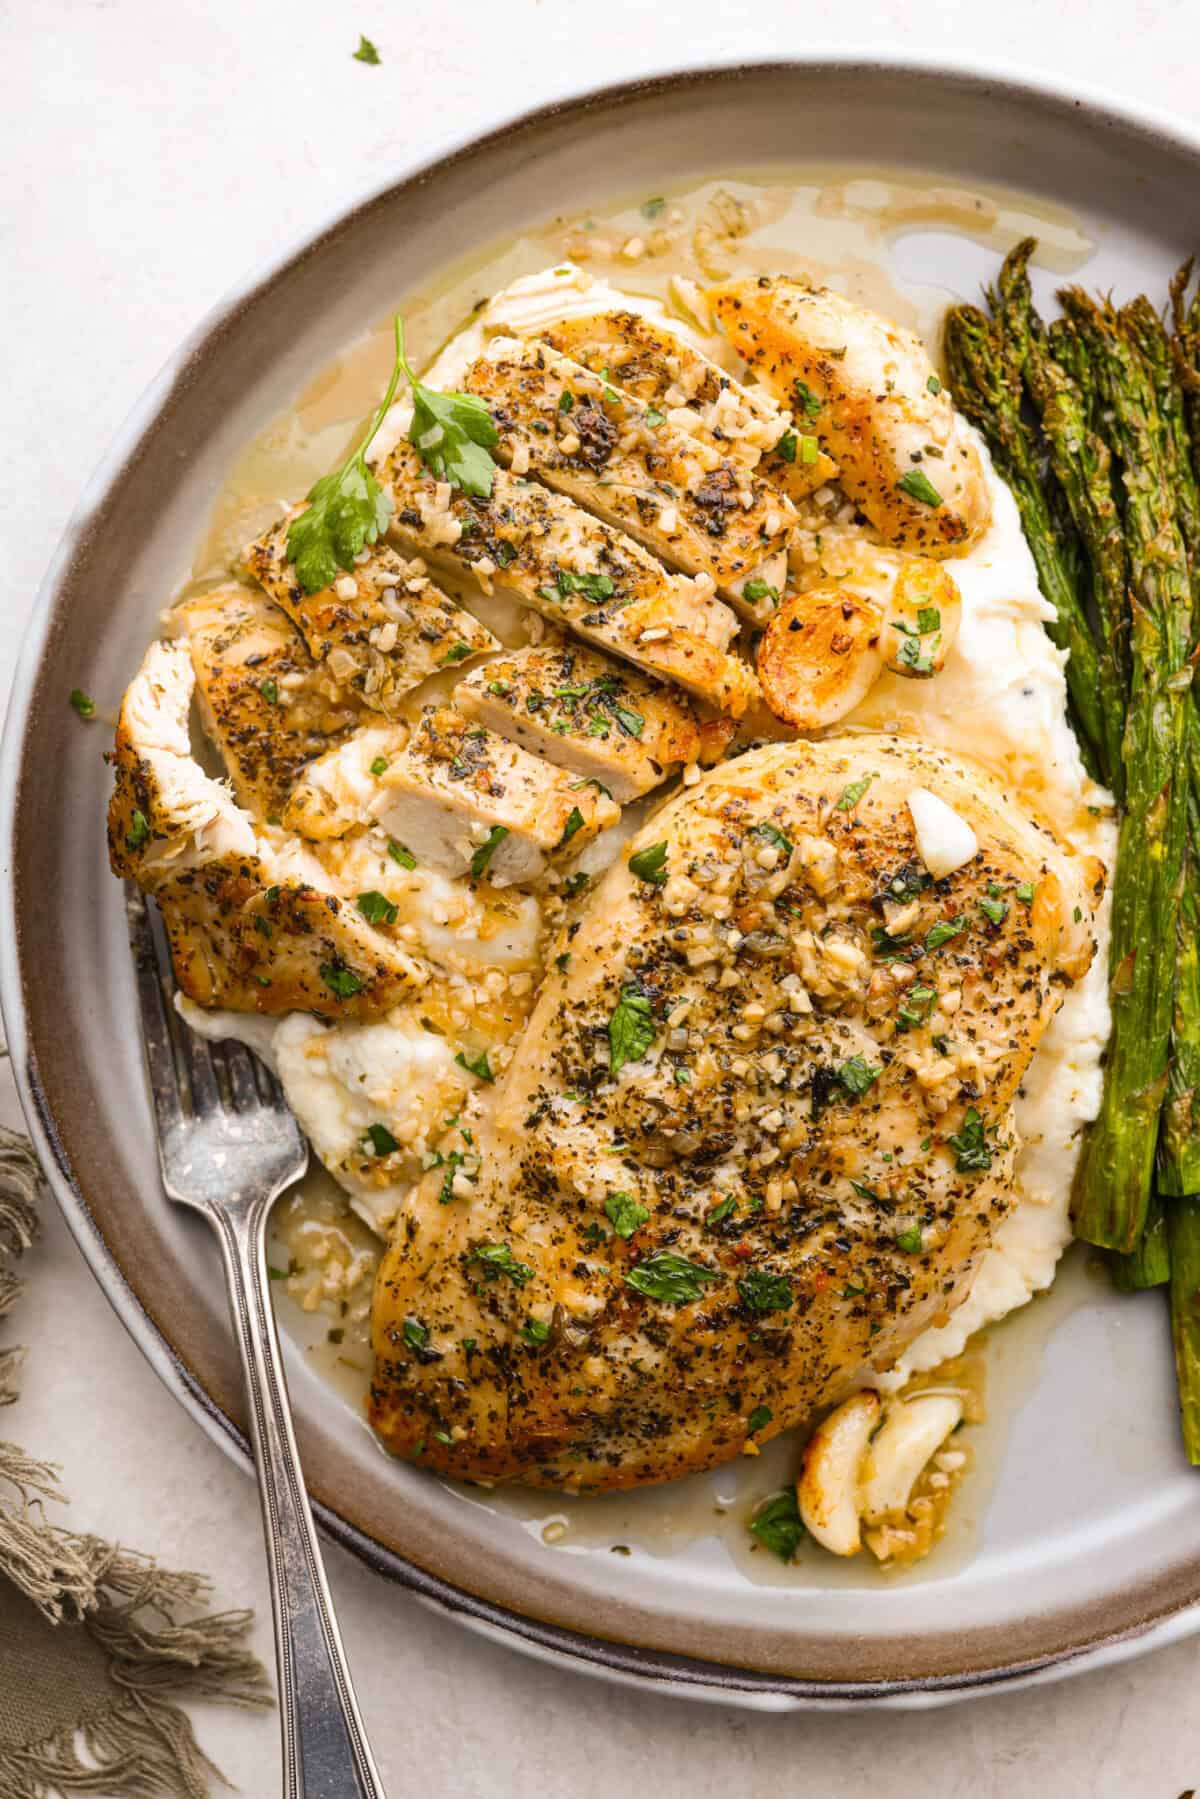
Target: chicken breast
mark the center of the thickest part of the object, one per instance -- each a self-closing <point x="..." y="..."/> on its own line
<point x="756" y="1136"/>
<point x="677" y="492"/>
<point x="263" y="701"/>
<point x="338" y="791"/>
<point x="869" y="392"/>
<point x="478" y="804"/>
<point x="598" y="719"/>
<point x="548" y="553"/>
<point x="250" y="929"/>
<point x="698" y="396"/>
<point x="381" y="629"/>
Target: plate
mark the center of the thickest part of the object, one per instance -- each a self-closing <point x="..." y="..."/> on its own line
<point x="1085" y="1539"/>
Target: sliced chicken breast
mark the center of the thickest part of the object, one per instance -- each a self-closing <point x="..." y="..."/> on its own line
<point x="597" y="718"/>
<point x="339" y="790"/>
<point x="679" y="493"/>
<point x="263" y="701"/>
<point x="480" y="805"/>
<point x="381" y="629"/>
<point x="642" y="357"/>
<point x="756" y="1136"/>
<point x="249" y="927"/>
<point x="867" y="389"/>
<point x="548" y="553"/>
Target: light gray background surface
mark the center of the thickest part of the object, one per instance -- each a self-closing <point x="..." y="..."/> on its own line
<point x="153" y="154"/>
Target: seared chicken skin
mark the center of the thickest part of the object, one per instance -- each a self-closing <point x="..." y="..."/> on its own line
<point x="868" y="390"/>
<point x="679" y="494"/>
<point x="756" y="1136"/>
<point x="380" y="629"/>
<point x="548" y="553"/>
<point x="251" y="928"/>
<point x="698" y="396"/>
<point x="263" y="701"/>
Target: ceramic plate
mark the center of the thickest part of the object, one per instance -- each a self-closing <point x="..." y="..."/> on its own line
<point x="1080" y="1540"/>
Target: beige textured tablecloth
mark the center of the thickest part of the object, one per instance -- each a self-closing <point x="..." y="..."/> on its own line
<point x="98" y="1645"/>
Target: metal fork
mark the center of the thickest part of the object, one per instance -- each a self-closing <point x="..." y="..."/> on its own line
<point x="228" y="1147"/>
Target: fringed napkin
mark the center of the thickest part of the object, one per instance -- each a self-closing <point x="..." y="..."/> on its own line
<point x="98" y="1645"/>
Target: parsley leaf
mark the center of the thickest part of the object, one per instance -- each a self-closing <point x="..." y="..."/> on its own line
<point x="807" y="401"/>
<point x="857" y="1075"/>
<point x="772" y="834"/>
<point x="917" y="485"/>
<point x="414" y="1334"/>
<point x="381" y="1140"/>
<point x="480" y="1067"/>
<point x="630" y="1029"/>
<point x="83" y="703"/>
<point x="970" y="1145"/>
<point x="138" y="831"/>
<point x="994" y="909"/>
<point x="452" y="433"/>
<point x="777" y="1524"/>
<point x="721" y="1211"/>
<point x="535" y="1331"/>
<point x="760" y="1416"/>
<point x="670" y="1278"/>
<point x="624" y="1214"/>
<point x="367" y="52"/>
<point x="650" y="864"/>
<point x="945" y="930"/>
<point x="377" y="908"/>
<point x="487" y="849"/>
<point x="497" y="1259"/>
<point x="763" y="1292"/>
<point x="851" y="794"/>
<point x="340" y="980"/>
<point x="786" y="447"/>
<point x="347" y="509"/>
<point x="575" y="822"/>
<point x="379" y="766"/>
<point x="910" y="1240"/>
<point x="652" y="208"/>
<point x="399" y="854"/>
<point x="1025" y="892"/>
<point x="917" y="1006"/>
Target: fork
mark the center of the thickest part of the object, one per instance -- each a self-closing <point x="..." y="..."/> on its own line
<point x="228" y="1147"/>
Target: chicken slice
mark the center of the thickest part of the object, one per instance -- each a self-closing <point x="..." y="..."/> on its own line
<point x="476" y="803"/>
<point x="250" y="929"/>
<point x="338" y="791"/>
<point x="590" y="715"/>
<point x="756" y="1135"/>
<point x="867" y="389"/>
<point x="266" y="705"/>
<point x="381" y="629"/>
<point x="647" y="360"/>
<point x="679" y="494"/>
<point x="548" y="553"/>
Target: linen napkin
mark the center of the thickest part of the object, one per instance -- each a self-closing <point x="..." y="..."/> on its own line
<point x="98" y="1645"/>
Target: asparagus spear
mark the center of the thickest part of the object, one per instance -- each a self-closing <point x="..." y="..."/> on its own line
<point x="1149" y="1265"/>
<point x="1183" y="1229"/>
<point x="1113" y="1179"/>
<point x="987" y="385"/>
<point x="1081" y="465"/>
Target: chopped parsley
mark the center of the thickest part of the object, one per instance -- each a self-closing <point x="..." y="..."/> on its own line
<point x="970" y="1145"/>
<point x="652" y="208"/>
<point x="83" y="703"/>
<point x="944" y="931"/>
<point x="575" y="883"/>
<point x="760" y="1416"/>
<point x="630" y="1029"/>
<point x="379" y="766"/>
<point x="910" y="1240"/>
<point x="807" y="401"/>
<point x="857" y="1075"/>
<point x="650" y="864"/>
<point x="414" y="1334"/>
<point x="994" y="909"/>
<point x="367" y="52"/>
<point x="670" y="1278"/>
<point x="772" y="834"/>
<point x="535" y="1331"/>
<point x="400" y="854"/>
<point x="340" y="980"/>
<point x="916" y="1006"/>
<point x="851" y="794"/>
<point x="763" y="1292"/>
<point x="497" y="1259"/>
<point x="786" y="447"/>
<point x="270" y="691"/>
<point x="138" y="831"/>
<point x="479" y="1067"/>
<point x="777" y="1524"/>
<point x="810" y="449"/>
<point x="377" y="908"/>
<point x="917" y="485"/>
<point x="724" y="1209"/>
<point x="632" y="723"/>
<point x="575" y="822"/>
<point x="592" y="587"/>
<point x="458" y="652"/>
<point x="1025" y="892"/>
<point x="933" y="385"/>
<point x="624" y="1214"/>
<point x="759" y="589"/>
<point x="381" y="1140"/>
<point x="487" y="849"/>
<point x="654" y="418"/>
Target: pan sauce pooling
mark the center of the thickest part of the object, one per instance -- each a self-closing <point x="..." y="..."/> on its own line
<point x="422" y="827"/>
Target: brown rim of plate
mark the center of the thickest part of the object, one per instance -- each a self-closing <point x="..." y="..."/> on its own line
<point x="541" y="1613"/>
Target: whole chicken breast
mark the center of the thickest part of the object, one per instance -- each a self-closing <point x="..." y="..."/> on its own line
<point x="866" y="388"/>
<point x="757" y="1135"/>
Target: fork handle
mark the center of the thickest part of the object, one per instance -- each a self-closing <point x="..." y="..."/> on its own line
<point x="325" y="1750"/>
